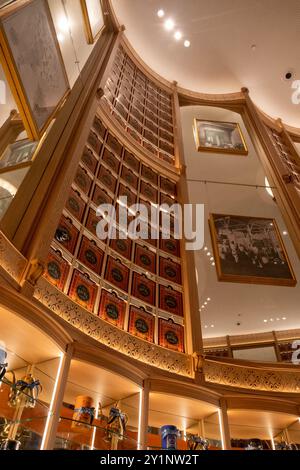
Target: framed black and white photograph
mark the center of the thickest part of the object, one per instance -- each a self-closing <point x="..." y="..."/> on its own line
<point x="219" y="137"/>
<point x="251" y="250"/>
<point x="33" y="64"/>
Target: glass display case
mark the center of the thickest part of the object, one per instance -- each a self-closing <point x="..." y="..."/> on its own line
<point x="100" y="411"/>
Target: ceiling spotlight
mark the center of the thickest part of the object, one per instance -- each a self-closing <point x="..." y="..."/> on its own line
<point x="213" y="264"/>
<point x="288" y="75"/>
<point x="205" y="248"/>
<point x="211" y="259"/>
<point x="208" y="253"/>
<point x="265" y="321"/>
<point x="169" y="24"/>
<point x="205" y="303"/>
<point x="283" y="318"/>
<point x="208" y="299"/>
<point x="212" y="326"/>
<point x="284" y="233"/>
<point x="160" y="13"/>
<point x="186" y="43"/>
<point x="178" y="35"/>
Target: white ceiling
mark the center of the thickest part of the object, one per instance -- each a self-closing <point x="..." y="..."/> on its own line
<point x="221" y="59"/>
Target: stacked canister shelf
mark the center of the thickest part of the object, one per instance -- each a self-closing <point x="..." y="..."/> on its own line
<point x="135" y="285"/>
<point x="144" y="110"/>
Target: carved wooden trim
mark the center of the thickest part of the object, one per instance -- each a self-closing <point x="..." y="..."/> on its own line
<point x="252" y="376"/>
<point x="11" y="259"/>
<point x="110" y="335"/>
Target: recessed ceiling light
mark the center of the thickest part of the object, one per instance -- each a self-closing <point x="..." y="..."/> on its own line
<point x="208" y="299"/>
<point x="211" y="259"/>
<point x="208" y="253"/>
<point x="160" y="13"/>
<point x="265" y="321"/>
<point x="205" y="248"/>
<point x="178" y="35"/>
<point x="213" y="264"/>
<point x="187" y="43"/>
<point x="271" y="319"/>
<point x="212" y="326"/>
<point x="283" y="318"/>
<point x="284" y="233"/>
<point x="205" y="303"/>
<point x="169" y="24"/>
<point x="206" y="326"/>
<point x="288" y="75"/>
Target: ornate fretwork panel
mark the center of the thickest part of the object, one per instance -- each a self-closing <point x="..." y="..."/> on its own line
<point x="247" y="377"/>
<point x="109" y="335"/>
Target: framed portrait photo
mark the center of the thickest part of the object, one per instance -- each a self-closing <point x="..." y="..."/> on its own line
<point x="250" y="250"/>
<point x="93" y="19"/>
<point x="219" y="137"/>
<point x="32" y="62"/>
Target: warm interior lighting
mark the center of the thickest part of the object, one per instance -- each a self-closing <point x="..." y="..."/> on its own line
<point x="64" y="24"/>
<point x="169" y="24"/>
<point x="140" y="419"/>
<point x="268" y="189"/>
<point x="178" y="35"/>
<point x="160" y="13"/>
<point x="50" y="412"/>
<point x="221" y="428"/>
<point x="60" y="37"/>
<point x="187" y="43"/>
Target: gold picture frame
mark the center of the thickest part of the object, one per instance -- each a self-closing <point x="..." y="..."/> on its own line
<point x="219" y="137"/>
<point x="33" y="64"/>
<point x="92" y="8"/>
<point x="250" y="250"/>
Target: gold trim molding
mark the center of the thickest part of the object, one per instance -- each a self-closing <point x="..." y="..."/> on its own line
<point x="109" y="335"/>
<point x="11" y="259"/>
<point x="255" y="377"/>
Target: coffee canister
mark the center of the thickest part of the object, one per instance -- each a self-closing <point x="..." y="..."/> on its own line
<point x="169" y="436"/>
<point x="10" y="444"/>
<point x="83" y="412"/>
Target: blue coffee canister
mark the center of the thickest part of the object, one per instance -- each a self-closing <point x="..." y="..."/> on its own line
<point x="169" y="436"/>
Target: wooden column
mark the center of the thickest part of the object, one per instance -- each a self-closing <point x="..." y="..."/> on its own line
<point x="10" y="130"/>
<point x="285" y="193"/>
<point x="224" y="425"/>
<point x="277" y="351"/>
<point x="57" y="400"/>
<point x="144" y="415"/>
<point x="191" y="299"/>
